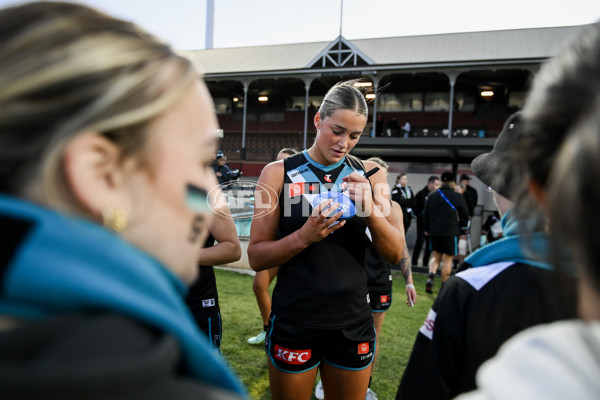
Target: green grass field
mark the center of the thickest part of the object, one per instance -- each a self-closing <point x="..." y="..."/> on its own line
<point x="241" y="320"/>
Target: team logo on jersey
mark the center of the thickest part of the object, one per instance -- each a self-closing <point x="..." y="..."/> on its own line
<point x="363" y="348"/>
<point x="294" y="357"/>
<point x="327" y="178"/>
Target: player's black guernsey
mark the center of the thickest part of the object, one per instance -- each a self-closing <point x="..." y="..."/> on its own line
<point x="323" y="286"/>
<point x="203" y="298"/>
<point x="379" y="271"/>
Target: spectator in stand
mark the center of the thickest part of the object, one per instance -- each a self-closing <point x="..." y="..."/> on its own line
<point x="473" y="315"/>
<point x="403" y="195"/>
<point x="106" y="137"/>
<point x="393" y="128"/>
<point x="433" y="182"/>
<point x="445" y="216"/>
<point x="560" y="152"/>
<point x="406" y="128"/>
<point x="263" y="279"/>
<point x="379" y="125"/>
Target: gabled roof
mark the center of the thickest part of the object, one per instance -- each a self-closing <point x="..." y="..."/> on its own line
<point x="534" y="44"/>
<point x="340" y="53"/>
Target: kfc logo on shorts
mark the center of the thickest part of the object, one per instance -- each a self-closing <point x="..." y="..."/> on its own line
<point x="384" y="299"/>
<point x="296" y="189"/>
<point x="363" y="348"/>
<point x="294" y="357"/>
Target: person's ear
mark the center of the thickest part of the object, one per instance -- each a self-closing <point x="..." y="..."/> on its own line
<point x="537" y="191"/>
<point x="317" y="120"/>
<point x="93" y="172"/>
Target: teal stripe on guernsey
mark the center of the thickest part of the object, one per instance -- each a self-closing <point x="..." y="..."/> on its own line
<point x="321" y="166"/>
<point x="72" y="265"/>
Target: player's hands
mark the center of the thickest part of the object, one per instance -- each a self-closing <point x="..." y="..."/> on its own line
<point x="411" y="296"/>
<point x="323" y="220"/>
<point x="358" y="189"/>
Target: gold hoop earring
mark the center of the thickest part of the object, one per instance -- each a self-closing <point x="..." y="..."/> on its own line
<point x="114" y="219"/>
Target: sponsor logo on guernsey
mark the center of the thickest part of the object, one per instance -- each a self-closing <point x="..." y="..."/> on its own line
<point x="428" y="324"/>
<point x="301" y="188"/>
<point x="208" y="303"/>
<point x="363" y="348"/>
<point x="327" y="178"/>
<point x="296" y="172"/>
<point x="294" y="357"/>
<point x="296" y="189"/>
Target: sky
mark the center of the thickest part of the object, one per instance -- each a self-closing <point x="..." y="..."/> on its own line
<point x="240" y="23"/>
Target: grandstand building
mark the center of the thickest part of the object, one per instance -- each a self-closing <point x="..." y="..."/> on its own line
<point x="456" y="89"/>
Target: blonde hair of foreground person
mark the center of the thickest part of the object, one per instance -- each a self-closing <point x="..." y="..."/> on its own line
<point x="91" y="111"/>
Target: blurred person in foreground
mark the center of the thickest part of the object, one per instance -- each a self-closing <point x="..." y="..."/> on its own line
<point x="106" y="140"/>
<point x="502" y="290"/>
<point x="560" y="155"/>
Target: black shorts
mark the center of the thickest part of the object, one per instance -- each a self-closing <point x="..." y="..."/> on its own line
<point x="211" y="325"/>
<point x="293" y="348"/>
<point x="443" y="244"/>
<point x="380" y="301"/>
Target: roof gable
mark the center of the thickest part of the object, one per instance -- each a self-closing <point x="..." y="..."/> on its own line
<point x="340" y="53"/>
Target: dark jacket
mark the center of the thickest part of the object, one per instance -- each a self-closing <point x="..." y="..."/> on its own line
<point x="420" y="203"/>
<point x="95" y="356"/>
<point x="440" y="218"/>
<point x="471" y="198"/>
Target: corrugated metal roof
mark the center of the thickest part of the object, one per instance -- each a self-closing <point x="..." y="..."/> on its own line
<point x="257" y="58"/>
<point x="516" y="44"/>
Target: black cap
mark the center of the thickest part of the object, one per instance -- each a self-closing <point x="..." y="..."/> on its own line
<point x="465" y="177"/>
<point x="495" y="168"/>
<point x="447" y="176"/>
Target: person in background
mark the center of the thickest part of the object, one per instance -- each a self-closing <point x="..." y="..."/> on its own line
<point x="263" y="279"/>
<point x="445" y="216"/>
<point x="472" y="315"/>
<point x="221" y="247"/>
<point x="106" y="140"/>
<point x="403" y="195"/>
<point x="393" y="128"/>
<point x="433" y="182"/>
<point x="320" y="314"/>
<point x="470" y="193"/>
<point x="491" y="230"/>
<point x="463" y="246"/>
<point x="406" y="128"/>
<point x="222" y="170"/>
<point x="379" y="281"/>
<point x="379" y="125"/>
<point x="559" y="157"/>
